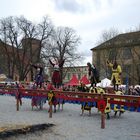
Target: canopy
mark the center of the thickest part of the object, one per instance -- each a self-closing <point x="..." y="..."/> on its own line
<point x="105" y="82"/>
<point x="74" y="81"/>
<point x="2" y="77"/>
<point x="85" y="80"/>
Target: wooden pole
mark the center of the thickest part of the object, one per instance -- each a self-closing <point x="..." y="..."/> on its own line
<point x="50" y="111"/>
<point x="17" y="104"/>
<point x="17" y="100"/>
<point x="102" y="120"/>
<point x="102" y="114"/>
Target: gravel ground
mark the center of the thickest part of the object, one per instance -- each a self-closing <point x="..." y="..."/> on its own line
<point x="68" y="124"/>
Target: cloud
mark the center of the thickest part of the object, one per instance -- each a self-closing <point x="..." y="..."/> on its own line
<point x="88" y="17"/>
<point x="68" y="6"/>
<point x="79" y="6"/>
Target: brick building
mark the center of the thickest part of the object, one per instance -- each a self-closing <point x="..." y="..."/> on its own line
<point x="125" y="49"/>
<point x="27" y="52"/>
<point x="79" y="71"/>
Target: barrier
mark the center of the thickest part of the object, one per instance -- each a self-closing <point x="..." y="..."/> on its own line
<point x="131" y="103"/>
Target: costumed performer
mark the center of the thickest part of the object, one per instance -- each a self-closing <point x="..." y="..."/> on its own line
<point x="116" y="74"/>
<point x="93" y="74"/>
<point x="51" y="95"/>
<point x="56" y="77"/>
<point x="39" y="75"/>
<point x="118" y="108"/>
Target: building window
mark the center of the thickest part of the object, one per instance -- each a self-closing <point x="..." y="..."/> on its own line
<point x="127" y="68"/>
<point x="127" y="54"/>
<point x="68" y="76"/>
<point x="79" y="76"/>
<point x="112" y="54"/>
<point x="129" y="41"/>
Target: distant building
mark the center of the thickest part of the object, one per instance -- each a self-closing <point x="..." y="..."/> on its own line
<point x="28" y="48"/>
<point x="79" y="71"/>
<point x="125" y="48"/>
<point x="68" y="72"/>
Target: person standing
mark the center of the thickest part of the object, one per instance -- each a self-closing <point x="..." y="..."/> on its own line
<point x="116" y="74"/>
<point x="93" y="74"/>
<point x="56" y="77"/>
<point x="39" y="75"/>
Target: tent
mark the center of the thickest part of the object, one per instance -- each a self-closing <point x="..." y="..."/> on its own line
<point x="2" y="77"/>
<point x="85" y="80"/>
<point x="74" y="81"/>
<point x="105" y="82"/>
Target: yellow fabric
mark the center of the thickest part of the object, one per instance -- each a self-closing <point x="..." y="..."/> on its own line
<point x="116" y="106"/>
<point x="116" y="74"/>
<point x="107" y="109"/>
<point x="101" y="91"/>
<point x="50" y="96"/>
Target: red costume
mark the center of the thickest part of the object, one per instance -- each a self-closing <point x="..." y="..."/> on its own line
<point x="56" y="78"/>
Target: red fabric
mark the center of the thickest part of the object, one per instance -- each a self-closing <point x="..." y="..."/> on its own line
<point x="34" y="102"/>
<point x="50" y="87"/>
<point x="71" y="98"/>
<point x="74" y="81"/>
<point x="85" y="80"/>
<point x="101" y="105"/>
<point x="56" y="77"/>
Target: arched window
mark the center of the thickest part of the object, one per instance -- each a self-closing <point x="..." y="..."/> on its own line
<point x="127" y="54"/>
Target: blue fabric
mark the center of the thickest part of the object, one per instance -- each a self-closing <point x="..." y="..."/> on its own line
<point x="125" y="107"/>
<point x="132" y="108"/>
<point x="138" y="109"/>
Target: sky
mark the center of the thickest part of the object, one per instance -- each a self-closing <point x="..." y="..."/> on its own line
<point x="89" y="18"/>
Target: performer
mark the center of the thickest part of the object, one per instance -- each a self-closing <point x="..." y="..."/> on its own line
<point x="116" y="74"/>
<point x="99" y="90"/>
<point x="51" y="96"/>
<point x="19" y="93"/>
<point x="84" y="106"/>
<point x="82" y="87"/>
<point x="118" y="108"/>
<point x="39" y="75"/>
<point x="56" y="78"/>
<point x="93" y="74"/>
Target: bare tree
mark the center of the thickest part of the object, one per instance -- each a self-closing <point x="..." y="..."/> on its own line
<point x="6" y="30"/>
<point x="107" y="35"/>
<point x="63" y="46"/>
<point x="21" y="35"/>
<point x="29" y="34"/>
<point x="45" y="29"/>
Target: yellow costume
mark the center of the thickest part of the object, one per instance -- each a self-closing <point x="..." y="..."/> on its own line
<point x="116" y="74"/>
<point x="121" y="109"/>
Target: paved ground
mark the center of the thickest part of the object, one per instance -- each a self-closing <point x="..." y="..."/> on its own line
<point x="69" y="125"/>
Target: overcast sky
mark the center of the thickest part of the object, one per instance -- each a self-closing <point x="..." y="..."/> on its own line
<point x="88" y="17"/>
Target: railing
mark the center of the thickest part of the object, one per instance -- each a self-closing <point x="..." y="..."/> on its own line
<point x="126" y="100"/>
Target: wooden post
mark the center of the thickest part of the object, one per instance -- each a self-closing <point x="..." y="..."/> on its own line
<point x="17" y="104"/>
<point x="102" y="105"/>
<point x="50" y="97"/>
<point x="50" y="111"/>
<point x="17" y="100"/>
<point x="102" y="120"/>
